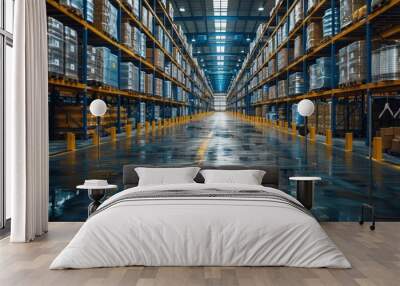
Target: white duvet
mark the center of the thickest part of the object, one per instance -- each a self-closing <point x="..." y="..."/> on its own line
<point x="202" y="232"/>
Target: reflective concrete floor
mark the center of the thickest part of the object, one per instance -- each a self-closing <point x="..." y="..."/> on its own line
<point x="348" y="180"/>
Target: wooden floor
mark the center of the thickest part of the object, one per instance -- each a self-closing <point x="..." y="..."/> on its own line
<point x="375" y="257"/>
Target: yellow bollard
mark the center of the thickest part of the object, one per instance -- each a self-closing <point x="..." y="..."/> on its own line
<point x="71" y="142"/>
<point x="312" y="134"/>
<point x="147" y="126"/>
<point x="160" y="124"/>
<point x="348" y="143"/>
<point x="328" y="137"/>
<point x="138" y="128"/>
<point x="153" y="125"/>
<point x="294" y="128"/>
<point x="113" y="133"/>
<point x="377" y="149"/>
<point x="96" y="139"/>
<point x="128" y="130"/>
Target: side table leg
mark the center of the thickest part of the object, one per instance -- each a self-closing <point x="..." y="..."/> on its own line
<point x="305" y="193"/>
<point x="96" y="196"/>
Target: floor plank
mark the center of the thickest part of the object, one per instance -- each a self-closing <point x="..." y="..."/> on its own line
<point x="375" y="256"/>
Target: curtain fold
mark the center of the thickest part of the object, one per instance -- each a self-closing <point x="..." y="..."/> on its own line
<point x="27" y="124"/>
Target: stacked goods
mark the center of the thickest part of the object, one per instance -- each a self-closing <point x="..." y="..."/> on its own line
<point x="159" y="34"/>
<point x="167" y="89"/>
<point x="348" y="8"/>
<point x="311" y="5"/>
<point x="296" y="83"/>
<point x="75" y="5"/>
<point x="314" y="35"/>
<point x="385" y="63"/>
<point x="282" y="58"/>
<point x="94" y="66"/>
<point x="167" y="45"/>
<point x="168" y="68"/>
<point x="298" y="47"/>
<point x="71" y="117"/>
<point x="158" y="88"/>
<point x="170" y="10"/>
<point x="265" y="92"/>
<point x="142" y="82"/>
<point x="136" y="7"/>
<point x="148" y="84"/>
<point x="297" y="119"/>
<point x="343" y="66"/>
<point x="126" y="34"/>
<point x="282" y="88"/>
<point x="296" y="15"/>
<point x="71" y="53"/>
<point x="127" y="76"/>
<point x="376" y="65"/>
<point x="359" y="11"/>
<point x="272" y="92"/>
<point x="324" y="117"/>
<point x="145" y="17"/>
<point x="114" y="116"/>
<point x="55" y="33"/>
<point x="142" y="51"/>
<point x="298" y="12"/>
<point x="109" y="72"/>
<point x="330" y="26"/>
<point x="346" y="14"/>
<point x="271" y="66"/>
<point x="159" y="59"/>
<point x="356" y="58"/>
<point x="321" y="74"/>
<point x="89" y="11"/>
<point x="105" y="18"/>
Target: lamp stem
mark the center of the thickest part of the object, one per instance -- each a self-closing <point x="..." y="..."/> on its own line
<point x="305" y="137"/>
<point x="98" y="141"/>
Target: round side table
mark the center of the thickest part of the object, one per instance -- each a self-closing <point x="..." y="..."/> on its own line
<point x="96" y="194"/>
<point x="305" y="190"/>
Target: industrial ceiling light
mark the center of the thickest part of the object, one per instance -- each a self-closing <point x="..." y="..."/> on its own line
<point x="242" y="51"/>
<point x="182" y="9"/>
<point x="248" y="39"/>
<point x="260" y="9"/>
<point x="193" y="40"/>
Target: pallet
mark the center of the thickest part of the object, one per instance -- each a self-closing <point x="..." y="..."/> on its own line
<point x="71" y="80"/>
<point x="351" y="84"/>
<point x="56" y="76"/>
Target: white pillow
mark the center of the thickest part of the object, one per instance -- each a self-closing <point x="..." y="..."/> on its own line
<point x="166" y="176"/>
<point x="247" y="177"/>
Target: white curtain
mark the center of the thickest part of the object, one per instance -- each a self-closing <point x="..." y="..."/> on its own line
<point x="27" y="124"/>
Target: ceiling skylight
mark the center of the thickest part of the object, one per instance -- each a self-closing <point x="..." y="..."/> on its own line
<point x="220" y="49"/>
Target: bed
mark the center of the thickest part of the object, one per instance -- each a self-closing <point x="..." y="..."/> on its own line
<point x="201" y="224"/>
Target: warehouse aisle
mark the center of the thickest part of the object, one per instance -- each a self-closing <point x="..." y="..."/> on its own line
<point x="221" y="139"/>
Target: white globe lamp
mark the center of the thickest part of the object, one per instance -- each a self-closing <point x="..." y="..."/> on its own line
<point x="98" y="107"/>
<point x="306" y="107"/>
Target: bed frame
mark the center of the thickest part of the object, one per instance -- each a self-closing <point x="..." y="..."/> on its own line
<point x="271" y="178"/>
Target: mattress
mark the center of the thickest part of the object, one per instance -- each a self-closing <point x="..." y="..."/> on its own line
<point x="201" y="225"/>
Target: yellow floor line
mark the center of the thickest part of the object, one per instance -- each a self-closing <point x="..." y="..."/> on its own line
<point x="201" y="153"/>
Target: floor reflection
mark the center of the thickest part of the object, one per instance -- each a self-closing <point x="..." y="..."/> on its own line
<point x="348" y="180"/>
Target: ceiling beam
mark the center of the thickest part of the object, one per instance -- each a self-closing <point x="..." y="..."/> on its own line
<point x="214" y="44"/>
<point x="227" y="18"/>
<point x="226" y="54"/>
<point x="214" y="34"/>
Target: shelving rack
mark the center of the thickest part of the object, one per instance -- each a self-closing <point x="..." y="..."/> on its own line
<point x="379" y="24"/>
<point x="82" y="92"/>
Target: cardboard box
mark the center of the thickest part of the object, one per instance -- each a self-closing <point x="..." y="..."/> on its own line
<point x="395" y="145"/>
<point x="396" y="131"/>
